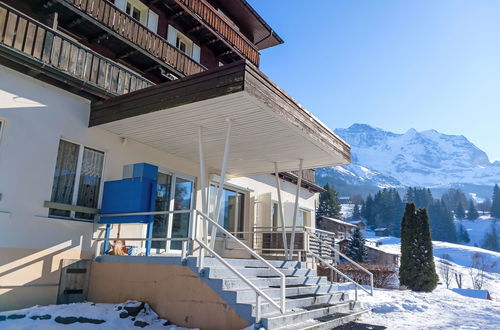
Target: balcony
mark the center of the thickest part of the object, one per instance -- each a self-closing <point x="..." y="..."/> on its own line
<point x="107" y="16"/>
<point x="26" y="43"/>
<point x="220" y="24"/>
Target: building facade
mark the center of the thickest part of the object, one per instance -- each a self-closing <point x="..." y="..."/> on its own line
<point x="89" y="88"/>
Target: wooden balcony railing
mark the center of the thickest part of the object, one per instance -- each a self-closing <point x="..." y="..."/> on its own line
<point x="221" y="25"/>
<point x="129" y="28"/>
<point x="25" y="35"/>
<point x="309" y="175"/>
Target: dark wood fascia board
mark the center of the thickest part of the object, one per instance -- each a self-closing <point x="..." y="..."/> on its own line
<point x="222" y="81"/>
<point x="20" y="62"/>
<point x="292" y="178"/>
<point x="231" y="78"/>
<point x="261" y="87"/>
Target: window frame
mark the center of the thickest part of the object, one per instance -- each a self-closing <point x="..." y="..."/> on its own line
<point x="243" y="212"/>
<point x="76" y="183"/>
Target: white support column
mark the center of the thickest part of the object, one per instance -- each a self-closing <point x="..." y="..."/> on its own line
<point x="280" y="209"/>
<point x="296" y="208"/>
<point x="203" y="185"/>
<point x="220" y="190"/>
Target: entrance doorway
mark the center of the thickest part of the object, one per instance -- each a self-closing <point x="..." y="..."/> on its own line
<point x="174" y="192"/>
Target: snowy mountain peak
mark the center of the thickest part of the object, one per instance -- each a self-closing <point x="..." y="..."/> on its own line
<point x="427" y="158"/>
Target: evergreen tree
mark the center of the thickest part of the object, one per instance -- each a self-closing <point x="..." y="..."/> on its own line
<point x="485" y="206"/>
<point x="368" y="210"/>
<point x="441" y="222"/>
<point x="356" y="213"/>
<point x="417" y="270"/>
<point x="472" y="212"/>
<point x="452" y="197"/>
<point x="490" y="241"/>
<point x="459" y="211"/>
<point x="356" y="247"/>
<point x="495" y="203"/>
<point x="329" y="204"/>
<point x="463" y="235"/>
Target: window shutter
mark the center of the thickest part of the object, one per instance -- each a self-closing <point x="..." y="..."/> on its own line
<point x="152" y="21"/>
<point x="196" y="53"/>
<point x="121" y="4"/>
<point x="171" y="35"/>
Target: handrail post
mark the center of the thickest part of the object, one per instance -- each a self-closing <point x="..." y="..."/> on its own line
<point x="283" y="294"/>
<point x="258" y="308"/>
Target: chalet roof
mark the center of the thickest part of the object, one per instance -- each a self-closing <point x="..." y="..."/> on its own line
<point x="339" y="221"/>
<point x="267" y="124"/>
<point x="263" y="35"/>
<point x="380" y="250"/>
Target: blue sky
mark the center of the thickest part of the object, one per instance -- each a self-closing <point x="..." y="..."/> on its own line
<point x="393" y="64"/>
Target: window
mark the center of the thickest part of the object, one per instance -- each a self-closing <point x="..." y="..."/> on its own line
<point x="183" y="43"/>
<point x="133" y="11"/>
<point x="77" y="178"/>
<point x="232" y="213"/>
<point x="140" y="12"/>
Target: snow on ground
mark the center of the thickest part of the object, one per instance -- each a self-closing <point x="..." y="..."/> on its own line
<point x="440" y="309"/>
<point x="83" y="316"/>
<point x="478" y="228"/>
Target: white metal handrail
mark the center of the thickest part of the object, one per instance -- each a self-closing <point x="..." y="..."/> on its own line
<point x="320" y="230"/>
<point x="258" y="292"/>
<point x="282" y="306"/>
<point x="333" y="250"/>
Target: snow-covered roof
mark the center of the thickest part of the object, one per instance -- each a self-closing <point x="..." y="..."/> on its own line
<point x="339" y="221"/>
<point x="380" y="229"/>
<point x="481" y="294"/>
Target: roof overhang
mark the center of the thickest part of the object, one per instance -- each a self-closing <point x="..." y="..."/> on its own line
<point x="267" y="125"/>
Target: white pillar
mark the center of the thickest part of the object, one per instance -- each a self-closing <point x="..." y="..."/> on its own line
<point x="280" y="209"/>
<point x="221" y="183"/>
<point x="203" y="185"/>
<point x="296" y="208"/>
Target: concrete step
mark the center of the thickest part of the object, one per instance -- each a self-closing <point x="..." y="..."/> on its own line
<point x="236" y="283"/>
<point x="247" y="263"/>
<point x="222" y="272"/>
<point x="248" y="295"/>
<point x="324" y="323"/>
<point x="303" y="315"/>
<point x="299" y="302"/>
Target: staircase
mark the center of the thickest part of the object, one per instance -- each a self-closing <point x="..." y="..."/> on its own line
<point x="312" y="302"/>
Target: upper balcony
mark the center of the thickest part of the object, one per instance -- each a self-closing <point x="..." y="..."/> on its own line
<point x="222" y="26"/>
<point x="38" y="50"/>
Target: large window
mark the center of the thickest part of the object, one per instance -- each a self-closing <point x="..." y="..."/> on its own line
<point x="231" y="214"/>
<point x="77" y="178"/>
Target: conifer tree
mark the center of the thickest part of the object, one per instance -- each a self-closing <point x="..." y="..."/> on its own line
<point x="495" y="203"/>
<point x="356" y="213"/>
<point x="329" y="204"/>
<point x="472" y="212"/>
<point x="368" y="210"/>
<point x="463" y="235"/>
<point x="441" y="222"/>
<point x="356" y="247"/>
<point x="417" y="270"/>
<point x="460" y="212"/>
<point x="490" y="241"/>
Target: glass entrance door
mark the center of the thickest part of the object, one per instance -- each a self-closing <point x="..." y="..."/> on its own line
<point x="173" y="192"/>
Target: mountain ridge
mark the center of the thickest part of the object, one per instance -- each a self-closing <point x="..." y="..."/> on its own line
<point x="427" y="158"/>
